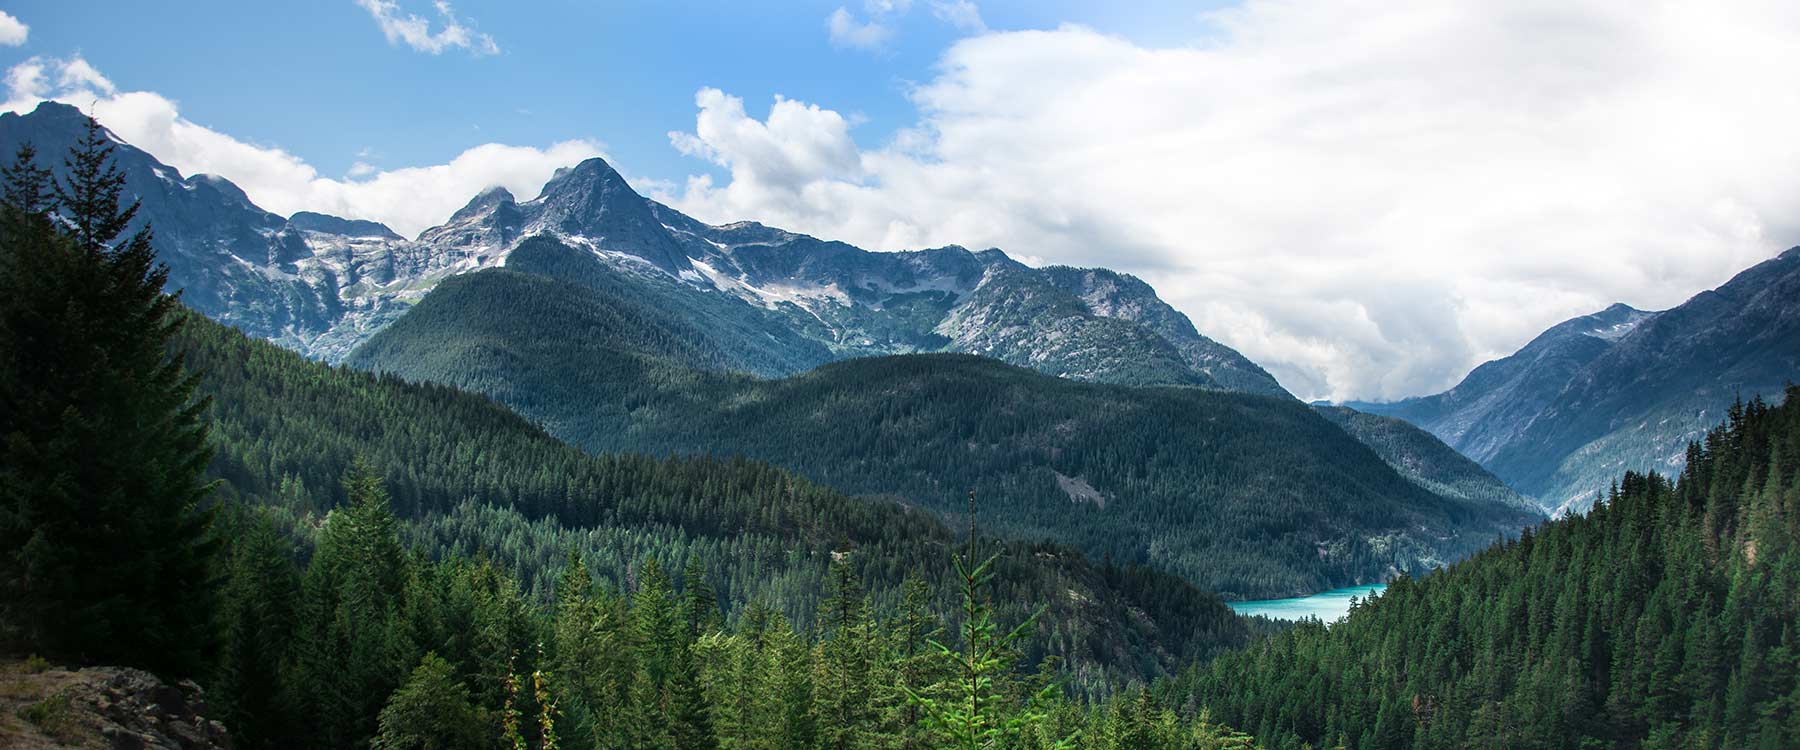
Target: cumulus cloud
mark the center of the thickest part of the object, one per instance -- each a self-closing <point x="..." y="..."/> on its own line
<point x="415" y="31"/>
<point x="407" y="199"/>
<point x="12" y="30"/>
<point x="1367" y="197"/>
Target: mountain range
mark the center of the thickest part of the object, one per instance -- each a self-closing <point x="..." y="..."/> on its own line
<point x="620" y="324"/>
<point x="321" y="285"/>
<point x="1248" y="495"/>
<point x="1621" y="389"/>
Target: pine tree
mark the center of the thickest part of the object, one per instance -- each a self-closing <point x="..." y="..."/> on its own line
<point x="700" y="601"/>
<point x="90" y="199"/>
<point x="431" y="712"/>
<point x="788" y="666"/>
<point x="578" y="641"/>
<point x="104" y="549"/>
<point x="29" y="189"/>
<point x="844" y="696"/>
<point x="975" y="710"/>
<point x="915" y="667"/>
<point x="256" y="617"/>
<point x="350" y="652"/>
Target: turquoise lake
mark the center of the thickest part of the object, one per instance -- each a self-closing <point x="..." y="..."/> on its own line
<point x="1325" y="605"/>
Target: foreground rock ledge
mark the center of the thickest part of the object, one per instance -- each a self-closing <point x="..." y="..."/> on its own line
<point x="103" y="707"/>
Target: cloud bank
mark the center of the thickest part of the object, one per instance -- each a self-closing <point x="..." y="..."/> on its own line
<point x="408" y="199"/>
<point x="1368" y="197"/>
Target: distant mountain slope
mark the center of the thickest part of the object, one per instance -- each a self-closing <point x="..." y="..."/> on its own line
<point x="471" y="478"/>
<point x="292" y="282"/>
<point x="1424" y="460"/>
<point x="1250" y="495"/>
<point x="1498" y="399"/>
<point x="1621" y="389"/>
<point x="1127" y="297"/>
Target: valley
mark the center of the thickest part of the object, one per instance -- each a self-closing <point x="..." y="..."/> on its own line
<point x="574" y="469"/>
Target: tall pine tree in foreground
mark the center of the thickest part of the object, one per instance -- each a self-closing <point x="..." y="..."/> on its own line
<point x="981" y="706"/>
<point x="104" y="555"/>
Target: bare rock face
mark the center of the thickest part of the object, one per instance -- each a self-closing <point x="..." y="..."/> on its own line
<point x="103" y="707"/>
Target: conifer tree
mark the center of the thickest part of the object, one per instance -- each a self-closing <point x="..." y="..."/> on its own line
<point x="30" y="189"/>
<point x="431" y="712"/>
<point x="915" y="667"/>
<point x="845" y="701"/>
<point x="350" y="651"/>
<point x="789" y="712"/>
<point x="974" y="710"/>
<point x="256" y="618"/>
<point x="104" y="550"/>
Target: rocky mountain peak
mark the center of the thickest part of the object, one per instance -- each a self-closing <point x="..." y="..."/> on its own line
<point x="326" y="224"/>
<point x="592" y="201"/>
<point x="483" y="203"/>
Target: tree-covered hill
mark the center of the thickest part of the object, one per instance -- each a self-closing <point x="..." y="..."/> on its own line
<point x="1667" y="617"/>
<point x="1424" y="459"/>
<point x="1248" y="495"/>
<point x="471" y="478"/>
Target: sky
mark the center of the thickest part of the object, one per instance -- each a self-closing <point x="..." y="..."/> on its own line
<point x="1366" y="197"/>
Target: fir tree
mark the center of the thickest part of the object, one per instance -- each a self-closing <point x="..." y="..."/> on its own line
<point x="29" y="189"/>
<point x="845" y="701"/>
<point x="104" y="550"/>
<point x="975" y="710"/>
<point x="256" y="618"/>
<point x="351" y="650"/>
<point x="431" y="712"/>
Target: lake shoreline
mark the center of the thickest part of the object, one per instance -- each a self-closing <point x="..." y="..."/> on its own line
<point x="1328" y="606"/>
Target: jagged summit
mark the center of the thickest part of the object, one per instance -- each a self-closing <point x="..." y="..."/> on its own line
<point x="324" y="284"/>
<point x="310" y="221"/>
<point x="55" y="113"/>
<point x="592" y="201"/>
<point x="483" y="202"/>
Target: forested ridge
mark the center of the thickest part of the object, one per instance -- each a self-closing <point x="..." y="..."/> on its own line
<point x="470" y="478"/>
<point x="1424" y="459"/>
<point x="597" y="641"/>
<point x="1668" y="617"/>
<point x="1251" y="496"/>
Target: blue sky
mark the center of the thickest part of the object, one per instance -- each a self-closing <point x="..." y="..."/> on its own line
<point x="318" y="79"/>
<point x="1367" y="197"/>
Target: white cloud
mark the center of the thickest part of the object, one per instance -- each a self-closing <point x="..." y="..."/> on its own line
<point x="797" y="145"/>
<point x="415" y="31"/>
<point x="881" y="17"/>
<point x="408" y="199"/>
<point x="78" y="74"/>
<point x="12" y="30"/>
<point x="1368" y="197"/>
<point x="846" y="31"/>
<point x="962" y="14"/>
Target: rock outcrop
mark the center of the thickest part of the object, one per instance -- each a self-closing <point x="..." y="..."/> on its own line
<point x="103" y="707"/>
